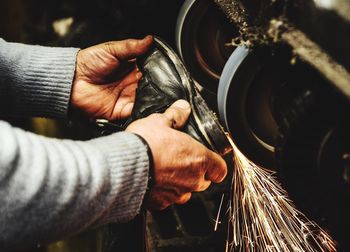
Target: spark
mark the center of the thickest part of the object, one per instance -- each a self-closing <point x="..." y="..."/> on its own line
<point x="262" y="218"/>
<point x="217" y="222"/>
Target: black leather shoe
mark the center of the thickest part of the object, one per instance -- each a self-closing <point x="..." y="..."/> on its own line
<point x="165" y="80"/>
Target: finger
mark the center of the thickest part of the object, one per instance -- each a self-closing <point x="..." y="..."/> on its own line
<point x="192" y="183"/>
<point x="126" y="110"/>
<point x="131" y="78"/>
<point x="130" y="48"/>
<point x="203" y="186"/>
<point x="177" y="114"/>
<point x="216" y="169"/>
<point x="125" y="102"/>
<point x="184" y="198"/>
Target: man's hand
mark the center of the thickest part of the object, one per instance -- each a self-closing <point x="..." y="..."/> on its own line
<point x="106" y="78"/>
<point x="181" y="164"/>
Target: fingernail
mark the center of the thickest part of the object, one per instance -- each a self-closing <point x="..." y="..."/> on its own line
<point x="183" y="104"/>
<point x="138" y="75"/>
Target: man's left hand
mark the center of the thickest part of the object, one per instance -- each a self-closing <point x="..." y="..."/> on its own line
<point x="106" y="78"/>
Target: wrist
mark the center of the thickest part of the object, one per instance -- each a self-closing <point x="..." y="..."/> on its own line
<point x="151" y="180"/>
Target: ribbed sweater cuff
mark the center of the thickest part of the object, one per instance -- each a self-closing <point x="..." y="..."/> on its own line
<point x="128" y="160"/>
<point x="47" y="82"/>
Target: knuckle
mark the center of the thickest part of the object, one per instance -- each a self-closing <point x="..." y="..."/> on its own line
<point x="184" y="199"/>
<point x="156" y="116"/>
<point x="203" y="186"/>
<point x="203" y="160"/>
<point x="130" y="44"/>
<point x="206" y="185"/>
<point x="197" y="165"/>
<point x="196" y="187"/>
<point x="200" y="164"/>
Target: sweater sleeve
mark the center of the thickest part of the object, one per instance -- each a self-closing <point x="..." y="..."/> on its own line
<point x="35" y="80"/>
<point x="51" y="188"/>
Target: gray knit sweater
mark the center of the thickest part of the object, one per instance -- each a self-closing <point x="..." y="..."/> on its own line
<point x="52" y="188"/>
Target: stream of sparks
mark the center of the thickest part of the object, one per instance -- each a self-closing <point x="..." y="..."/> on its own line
<point x="262" y="216"/>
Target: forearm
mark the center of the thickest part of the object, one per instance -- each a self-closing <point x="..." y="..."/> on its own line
<point x="53" y="188"/>
<point x="35" y="80"/>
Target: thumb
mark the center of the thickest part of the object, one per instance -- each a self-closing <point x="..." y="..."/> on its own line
<point x="177" y="114"/>
<point x="129" y="48"/>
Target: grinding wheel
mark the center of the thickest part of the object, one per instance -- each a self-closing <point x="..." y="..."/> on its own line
<point x="245" y="103"/>
<point x="203" y="39"/>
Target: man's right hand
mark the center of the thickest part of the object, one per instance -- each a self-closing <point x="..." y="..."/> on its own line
<point x="182" y="165"/>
